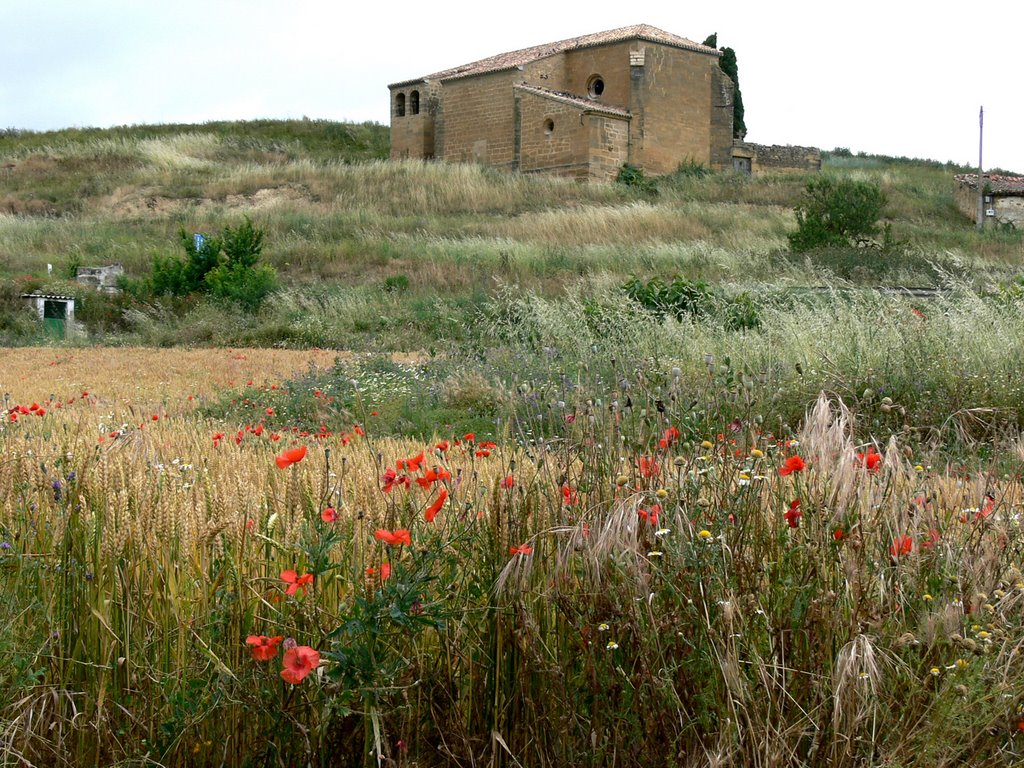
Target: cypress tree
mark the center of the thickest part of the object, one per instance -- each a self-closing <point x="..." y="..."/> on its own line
<point x="728" y="64"/>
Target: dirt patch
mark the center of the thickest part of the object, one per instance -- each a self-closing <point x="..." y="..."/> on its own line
<point x="132" y="202"/>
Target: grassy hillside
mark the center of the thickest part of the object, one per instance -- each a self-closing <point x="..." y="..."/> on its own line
<point x="373" y="254"/>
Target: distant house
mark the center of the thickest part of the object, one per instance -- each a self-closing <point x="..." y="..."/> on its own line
<point x="1003" y="198"/>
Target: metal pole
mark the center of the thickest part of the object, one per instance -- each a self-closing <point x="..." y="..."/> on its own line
<point x="981" y="183"/>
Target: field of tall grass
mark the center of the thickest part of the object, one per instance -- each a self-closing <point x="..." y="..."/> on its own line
<point x="262" y="575"/>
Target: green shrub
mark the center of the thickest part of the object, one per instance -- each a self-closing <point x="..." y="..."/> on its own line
<point x="633" y="176"/>
<point x="678" y="298"/>
<point x="837" y="212"/>
<point x="224" y="267"/>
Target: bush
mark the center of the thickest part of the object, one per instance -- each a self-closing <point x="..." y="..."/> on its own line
<point x="633" y="176"/>
<point x="224" y="267"/>
<point x="837" y="212"/>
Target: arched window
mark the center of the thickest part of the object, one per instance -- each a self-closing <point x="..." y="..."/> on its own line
<point x="400" y="105"/>
<point x="414" y="103"/>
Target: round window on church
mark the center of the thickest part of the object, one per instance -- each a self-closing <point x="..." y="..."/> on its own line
<point x="595" y="86"/>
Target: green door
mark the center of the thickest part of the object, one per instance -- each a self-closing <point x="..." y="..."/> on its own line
<point x="55" y="313"/>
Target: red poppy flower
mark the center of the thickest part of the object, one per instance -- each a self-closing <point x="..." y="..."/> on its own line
<point x="443" y="446"/>
<point x="508" y="481"/>
<point x="394" y="538"/>
<point x="469" y="437"/>
<point x="648" y="466"/>
<point x="263" y="648"/>
<point x="290" y="456"/>
<point x="299" y="662"/>
<point x="270" y="411"/>
<point x="358" y="430"/>
<point x="901" y="545"/>
<point x="522" y="549"/>
<point x="669" y="436"/>
<point x="391" y="478"/>
<point x="329" y="515"/>
<point x="986" y="508"/>
<point x="792" y="464"/>
<point x="295" y="582"/>
<point x="413" y="464"/>
<point x="793" y="514"/>
<point x="871" y="461"/>
<point x="569" y="497"/>
<point x="432" y="476"/>
<point x="650" y="515"/>
<point x="431" y="512"/>
<point x="385" y="571"/>
<point x="838" y="534"/>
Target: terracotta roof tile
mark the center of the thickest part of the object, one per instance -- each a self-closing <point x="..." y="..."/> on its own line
<point x="571" y="98"/>
<point x="519" y="58"/>
<point x="999" y="185"/>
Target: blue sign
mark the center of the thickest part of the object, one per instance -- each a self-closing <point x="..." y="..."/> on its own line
<point x="199" y="240"/>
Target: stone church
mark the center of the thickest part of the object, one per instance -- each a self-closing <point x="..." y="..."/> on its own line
<point x="580" y="108"/>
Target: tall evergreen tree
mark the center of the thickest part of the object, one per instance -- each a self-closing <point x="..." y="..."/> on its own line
<point x="728" y="64"/>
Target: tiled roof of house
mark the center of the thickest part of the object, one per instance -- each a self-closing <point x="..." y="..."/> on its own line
<point x="571" y="98"/>
<point x="526" y="55"/>
<point x="998" y="185"/>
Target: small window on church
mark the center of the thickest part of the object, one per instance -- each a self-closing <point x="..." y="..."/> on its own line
<point x="400" y="105"/>
<point x="549" y="127"/>
<point x="595" y="86"/>
<point x="414" y="103"/>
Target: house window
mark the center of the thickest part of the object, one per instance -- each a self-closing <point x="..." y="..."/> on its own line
<point x="595" y="86"/>
<point x="549" y="127"/>
<point x="400" y="105"/>
<point x="414" y="103"/>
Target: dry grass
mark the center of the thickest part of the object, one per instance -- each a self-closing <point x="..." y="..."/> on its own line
<point x="145" y="377"/>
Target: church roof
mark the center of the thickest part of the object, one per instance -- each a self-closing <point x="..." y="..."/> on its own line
<point x="577" y="101"/>
<point x="514" y="59"/>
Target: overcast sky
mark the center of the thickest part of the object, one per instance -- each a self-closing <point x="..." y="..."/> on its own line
<point x="896" y="77"/>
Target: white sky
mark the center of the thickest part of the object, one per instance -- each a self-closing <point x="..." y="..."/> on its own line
<point x="896" y="77"/>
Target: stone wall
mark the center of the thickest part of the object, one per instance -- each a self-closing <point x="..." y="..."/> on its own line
<point x="673" y="91"/>
<point x="552" y="136"/>
<point x="476" y="120"/>
<point x="609" y="146"/>
<point x="1009" y="210"/>
<point x="966" y="196"/>
<point x="101" y="278"/>
<point x="778" y="158"/>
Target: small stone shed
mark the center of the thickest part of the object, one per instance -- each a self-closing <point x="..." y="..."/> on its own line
<point x="1003" y="201"/>
<point x="103" y="279"/>
<point x="56" y="312"/>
